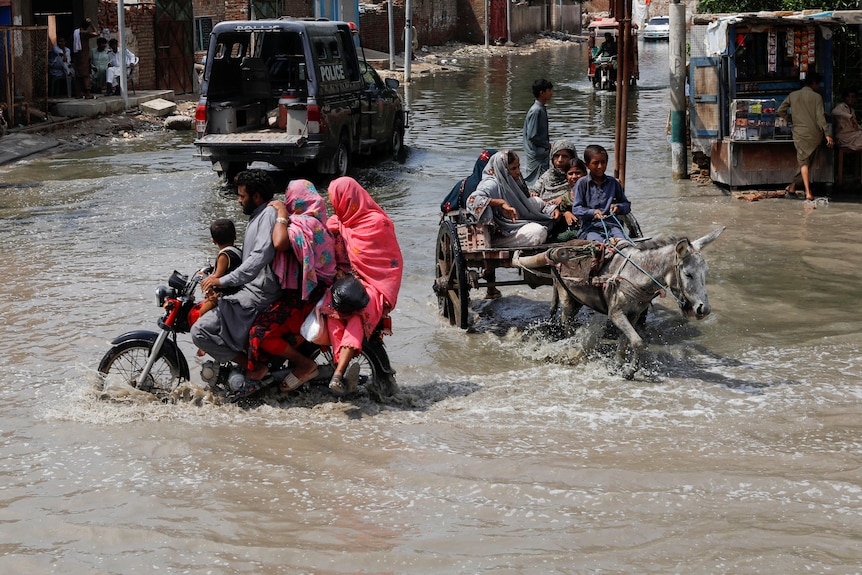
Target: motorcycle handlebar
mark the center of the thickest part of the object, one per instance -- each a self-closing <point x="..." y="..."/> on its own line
<point x="199" y="276"/>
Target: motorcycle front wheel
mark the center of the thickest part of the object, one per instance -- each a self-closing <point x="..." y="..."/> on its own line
<point x="127" y="360"/>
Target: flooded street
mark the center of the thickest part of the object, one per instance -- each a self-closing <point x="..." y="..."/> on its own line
<point x="736" y="449"/>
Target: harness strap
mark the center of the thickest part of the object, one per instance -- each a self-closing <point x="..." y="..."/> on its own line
<point x="640" y="295"/>
<point x="667" y="289"/>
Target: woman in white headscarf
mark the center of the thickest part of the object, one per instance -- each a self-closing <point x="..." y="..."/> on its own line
<point x="518" y="219"/>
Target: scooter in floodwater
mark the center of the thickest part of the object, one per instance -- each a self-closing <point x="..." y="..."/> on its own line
<point x="153" y="362"/>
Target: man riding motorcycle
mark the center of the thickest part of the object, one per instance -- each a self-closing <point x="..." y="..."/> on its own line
<point x="223" y="332"/>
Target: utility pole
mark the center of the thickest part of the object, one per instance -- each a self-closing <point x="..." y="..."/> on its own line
<point x="676" y="57"/>
<point x="625" y="66"/>
<point x="487" y="24"/>
<point x="408" y="38"/>
<point x="391" y="35"/>
<point x="508" y="22"/>
<point x="121" y="32"/>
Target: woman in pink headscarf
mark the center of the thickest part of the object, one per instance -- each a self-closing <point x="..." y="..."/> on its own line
<point x="365" y="244"/>
<point x="305" y="264"/>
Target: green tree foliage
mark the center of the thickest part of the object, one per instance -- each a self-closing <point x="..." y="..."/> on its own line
<point x="735" y="6"/>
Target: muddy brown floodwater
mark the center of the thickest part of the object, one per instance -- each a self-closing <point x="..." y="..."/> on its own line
<point x="736" y="449"/>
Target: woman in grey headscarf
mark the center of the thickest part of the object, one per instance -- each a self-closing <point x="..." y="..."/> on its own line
<point x="553" y="184"/>
<point x="518" y="220"/>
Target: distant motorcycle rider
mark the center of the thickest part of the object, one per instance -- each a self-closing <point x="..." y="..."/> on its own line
<point x="223" y="332"/>
<point x="608" y="47"/>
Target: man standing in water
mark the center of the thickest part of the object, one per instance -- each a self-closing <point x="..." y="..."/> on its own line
<point x="223" y="332"/>
<point x="537" y="139"/>
<point x="809" y="127"/>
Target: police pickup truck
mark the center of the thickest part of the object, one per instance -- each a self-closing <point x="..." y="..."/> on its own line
<point x="293" y="92"/>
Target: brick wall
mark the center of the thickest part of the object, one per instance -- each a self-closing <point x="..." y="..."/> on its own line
<point x="140" y="36"/>
<point x="214" y="9"/>
<point x="299" y="8"/>
<point x="471" y="21"/>
<point x="236" y="9"/>
<point x="436" y="22"/>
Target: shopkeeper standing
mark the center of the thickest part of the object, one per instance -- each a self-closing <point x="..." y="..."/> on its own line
<point x="809" y="128"/>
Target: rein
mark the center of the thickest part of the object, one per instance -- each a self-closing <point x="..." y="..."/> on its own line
<point x="662" y="287"/>
<point x="633" y="291"/>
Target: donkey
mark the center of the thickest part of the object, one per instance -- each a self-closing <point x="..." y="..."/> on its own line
<point x="626" y="284"/>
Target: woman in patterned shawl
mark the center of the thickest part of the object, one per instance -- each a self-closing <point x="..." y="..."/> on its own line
<point x="305" y="264"/>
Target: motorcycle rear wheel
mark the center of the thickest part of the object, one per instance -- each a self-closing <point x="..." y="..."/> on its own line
<point x="375" y="375"/>
<point x="128" y="359"/>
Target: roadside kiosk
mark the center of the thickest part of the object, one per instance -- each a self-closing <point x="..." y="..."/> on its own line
<point x="742" y="68"/>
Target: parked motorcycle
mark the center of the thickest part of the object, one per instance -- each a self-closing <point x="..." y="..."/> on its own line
<point x="153" y="362"/>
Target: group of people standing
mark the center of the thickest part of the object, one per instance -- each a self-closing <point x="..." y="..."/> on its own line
<point x="291" y="255"/>
<point x="84" y="69"/>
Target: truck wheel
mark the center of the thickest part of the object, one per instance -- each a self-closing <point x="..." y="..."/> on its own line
<point x="231" y="170"/>
<point x="341" y="159"/>
<point x="396" y="146"/>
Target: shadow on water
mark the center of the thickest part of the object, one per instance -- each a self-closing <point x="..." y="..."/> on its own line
<point x="500" y="316"/>
<point x="417" y="398"/>
<point x="691" y="369"/>
<point x="20" y="185"/>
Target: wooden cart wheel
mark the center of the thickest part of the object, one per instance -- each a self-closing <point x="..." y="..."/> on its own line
<point x="453" y="293"/>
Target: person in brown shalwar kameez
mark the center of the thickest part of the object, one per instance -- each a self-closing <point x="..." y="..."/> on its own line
<point x="809" y="128"/>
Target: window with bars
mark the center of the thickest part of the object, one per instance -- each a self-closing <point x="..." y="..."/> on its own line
<point x="203" y="27"/>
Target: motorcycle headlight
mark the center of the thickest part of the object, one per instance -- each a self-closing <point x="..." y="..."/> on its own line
<point x="162" y="294"/>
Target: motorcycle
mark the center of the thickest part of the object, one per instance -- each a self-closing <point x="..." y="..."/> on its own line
<point x="605" y="74"/>
<point x="153" y="362"/>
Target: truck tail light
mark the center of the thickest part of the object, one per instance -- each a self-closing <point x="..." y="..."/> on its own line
<point x="315" y="125"/>
<point x="201" y="119"/>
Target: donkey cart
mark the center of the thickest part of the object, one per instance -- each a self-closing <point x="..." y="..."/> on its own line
<point x="466" y="260"/>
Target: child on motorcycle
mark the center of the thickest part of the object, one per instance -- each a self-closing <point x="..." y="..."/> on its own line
<point x="223" y="233"/>
<point x="229" y="256"/>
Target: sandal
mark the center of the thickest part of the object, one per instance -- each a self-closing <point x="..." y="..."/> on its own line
<point x="336" y="385"/>
<point x="291" y="382"/>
